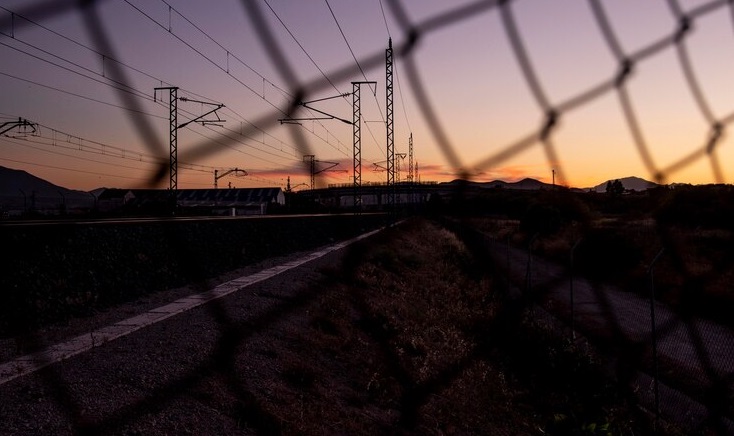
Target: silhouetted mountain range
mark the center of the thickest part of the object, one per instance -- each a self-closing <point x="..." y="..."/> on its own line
<point x="629" y="183"/>
<point x="12" y="182"/>
<point x="21" y="189"/>
<point x="526" y="184"/>
<point x="19" y="184"/>
<point x="529" y="184"/>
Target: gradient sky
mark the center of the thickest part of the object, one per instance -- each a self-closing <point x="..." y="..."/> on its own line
<point x="56" y="74"/>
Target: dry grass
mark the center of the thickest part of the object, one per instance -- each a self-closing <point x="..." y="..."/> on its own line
<point x="694" y="274"/>
<point x="412" y="336"/>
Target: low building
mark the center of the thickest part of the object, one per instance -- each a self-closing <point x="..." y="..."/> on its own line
<point x="231" y="201"/>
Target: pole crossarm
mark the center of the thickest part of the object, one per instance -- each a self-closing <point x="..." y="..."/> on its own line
<point x="10" y="125"/>
<point x="379" y="166"/>
<point x="326" y="115"/>
<point x="218" y="176"/>
<point x="312" y="161"/>
<point x="346" y="94"/>
<point x="328" y="168"/>
<point x="297" y="186"/>
<point x="333" y="117"/>
<point x="382" y="165"/>
<point x="296" y="120"/>
<point x="200" y="118"/>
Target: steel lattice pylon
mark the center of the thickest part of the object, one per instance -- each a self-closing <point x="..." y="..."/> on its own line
<point x="390" y="132"/>
<point x="173" y="119"/>
<point x="410" y="159"/>
<point x="357" y="156"/>
<point x="357" y="131"/>
<point x="173" y="136"/>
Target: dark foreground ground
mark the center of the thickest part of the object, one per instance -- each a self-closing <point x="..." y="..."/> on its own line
<point x="406" y="333"/>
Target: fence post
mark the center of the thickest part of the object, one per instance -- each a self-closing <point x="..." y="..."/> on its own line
<point x="573" y="313"/>
<point x="654" y="335"/>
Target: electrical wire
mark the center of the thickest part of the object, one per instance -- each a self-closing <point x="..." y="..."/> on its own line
<point x="72" y="170"/>
<point x="303" y="49"/>
<point x="346" y="41"/>
<point x="128" y="89"/>
<point x="395" y="70"/>
<point x="214" y="63"/>
<point x="81" y="96"/>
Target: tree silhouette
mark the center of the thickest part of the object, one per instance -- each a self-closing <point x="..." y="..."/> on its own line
<point x="615" y="188"/>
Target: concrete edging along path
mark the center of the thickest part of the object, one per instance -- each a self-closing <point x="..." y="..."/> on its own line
<point x="27" y="364"/>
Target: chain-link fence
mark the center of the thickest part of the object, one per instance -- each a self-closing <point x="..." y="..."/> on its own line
<point x="673" y="360"/>
<point x="676" y="361"/>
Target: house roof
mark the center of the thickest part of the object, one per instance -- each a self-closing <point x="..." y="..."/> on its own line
<point x="199" y="196"/>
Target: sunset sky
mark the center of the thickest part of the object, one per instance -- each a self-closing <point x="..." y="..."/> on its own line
<point x="100" y="126"/>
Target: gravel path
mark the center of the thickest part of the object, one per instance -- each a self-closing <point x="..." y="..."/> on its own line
<point x="183" y="375"/>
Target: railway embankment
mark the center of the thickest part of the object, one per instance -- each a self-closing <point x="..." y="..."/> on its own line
<point x="57" y="271"/>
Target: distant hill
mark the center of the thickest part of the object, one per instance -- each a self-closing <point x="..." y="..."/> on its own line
<point x="529" y="184"/>
<point x="526" y="184"/>
<point x="629" y="183"/>
<point x="19" y="189"/>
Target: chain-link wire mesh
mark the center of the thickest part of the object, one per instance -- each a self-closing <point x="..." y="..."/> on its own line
<point x="692" y="358"/>
<point x="407" y="47"/>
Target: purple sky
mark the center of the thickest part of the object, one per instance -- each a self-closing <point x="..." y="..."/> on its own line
<point x="56" y="74"/>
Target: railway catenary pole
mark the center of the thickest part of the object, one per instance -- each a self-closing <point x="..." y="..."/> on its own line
<point x="173" y="133"/>
<point x="410" y="158"/>
<point x="357" y="142"/>
<point x="411" y="187"/>
<point x="10" y="125"/>
<point x="172" y="136"/>
<point x="356" y="135"/>
<point x="311" y="160"/>
<point x="357" y="146"/>
<point x="390" y="131"/>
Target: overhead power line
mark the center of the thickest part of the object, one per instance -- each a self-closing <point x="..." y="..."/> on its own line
<point x="225" y="68"/>
<point x="304" y="50"/>
<point x="106" y="57"/>
<point x="359" y="66"/>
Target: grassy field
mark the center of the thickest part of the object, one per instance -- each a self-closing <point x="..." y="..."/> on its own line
<point x="693" y="273"/>
<point x="617" y="238"/>
<point x="414" y="336"/>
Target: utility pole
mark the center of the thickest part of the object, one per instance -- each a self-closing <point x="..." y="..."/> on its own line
<point x="356" y="134"/>
<point x="411" y="173"/>
<point x="357" y="147"/>
<point x="357" y="142"/>
<point x="311" y="160"/>
<point x="173" y="132"/>
<point x="390" y="132"/>
<point x="172" y="136"/>
<point x="410" y="158"/>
